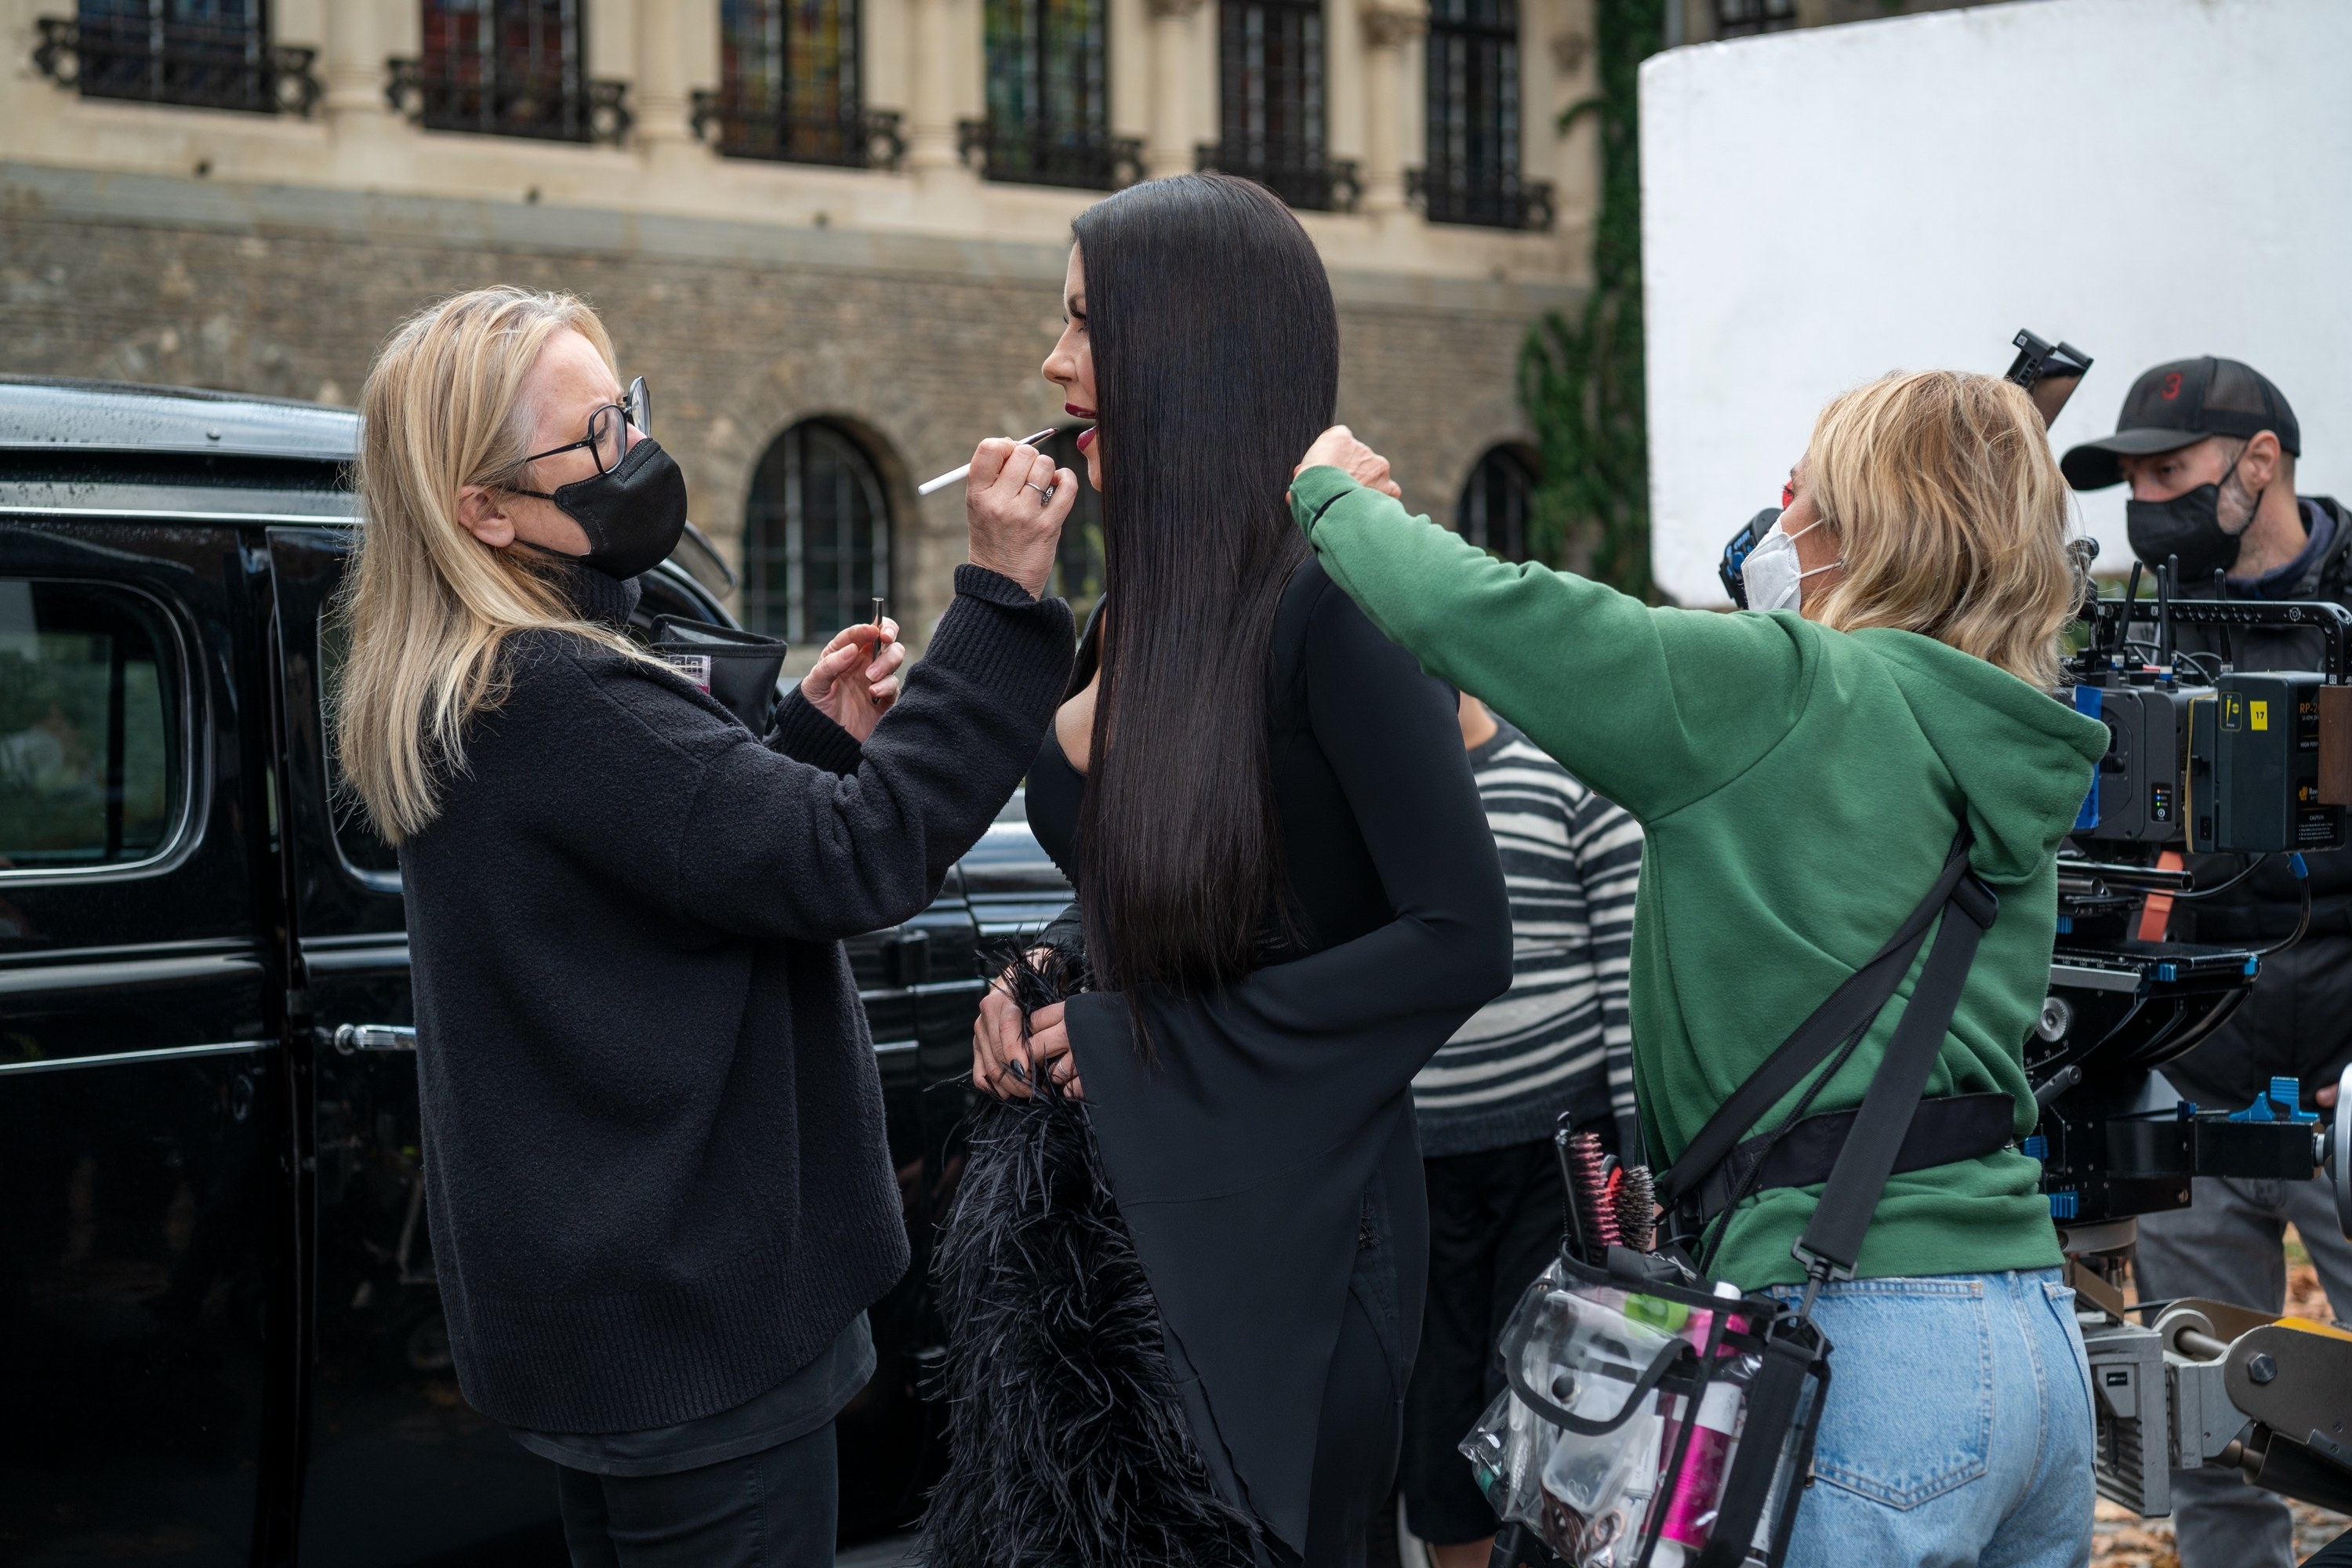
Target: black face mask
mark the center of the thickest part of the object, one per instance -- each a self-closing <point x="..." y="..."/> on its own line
<point x="633" y="516"/>
<point x="2188" y="526"/>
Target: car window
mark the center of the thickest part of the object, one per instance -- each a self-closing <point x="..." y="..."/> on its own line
<point x="363" y="850"/>
<point x="91" y="727"/>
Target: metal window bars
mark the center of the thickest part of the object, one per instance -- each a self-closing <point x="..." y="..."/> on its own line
<point x="1468" y="195"/>
<point x="509" y="67"/>
<point x="1272" y="104"/>
<point x="1743" y="18"/>
<point x="789" y="87"/>
<point x="149" y="51"/>
<point x="1048" y="99"/>
<point x="1492" y="512"/>
<point x="817" y="535"/>
<point x="867" y="139"/>
<point x="1471" y="174"/>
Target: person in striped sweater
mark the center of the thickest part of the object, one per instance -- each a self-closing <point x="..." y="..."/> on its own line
<point x="1559" y="1041"/>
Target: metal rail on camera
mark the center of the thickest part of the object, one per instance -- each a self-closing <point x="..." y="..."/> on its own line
<point x="2111" y="620"/>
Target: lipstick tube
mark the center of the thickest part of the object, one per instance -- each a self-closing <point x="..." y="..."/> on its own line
<point x="1690" y="1509"/>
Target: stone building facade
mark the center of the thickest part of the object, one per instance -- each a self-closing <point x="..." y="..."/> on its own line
<point x="901" y="308"/>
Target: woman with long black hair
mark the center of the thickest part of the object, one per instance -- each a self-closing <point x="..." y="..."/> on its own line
<point x="1287" y="892"/>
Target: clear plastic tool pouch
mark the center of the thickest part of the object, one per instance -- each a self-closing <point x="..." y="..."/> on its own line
<point x="1640" y="1429"/>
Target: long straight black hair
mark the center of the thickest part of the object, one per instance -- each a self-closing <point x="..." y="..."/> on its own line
<point x="1216" y="356"/>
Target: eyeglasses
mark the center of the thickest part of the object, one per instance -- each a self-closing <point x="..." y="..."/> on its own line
<point x="608" y="440"/>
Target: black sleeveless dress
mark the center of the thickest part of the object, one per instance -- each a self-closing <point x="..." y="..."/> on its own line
<point x="1268" y="1167"/>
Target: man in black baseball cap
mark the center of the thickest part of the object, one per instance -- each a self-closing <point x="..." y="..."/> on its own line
<point x="2208" y="447"/>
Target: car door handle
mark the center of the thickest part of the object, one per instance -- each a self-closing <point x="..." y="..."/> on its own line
<point x="351" y="1038"/>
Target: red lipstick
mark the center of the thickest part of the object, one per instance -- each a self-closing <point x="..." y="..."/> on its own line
<point x="1085" y="437"/>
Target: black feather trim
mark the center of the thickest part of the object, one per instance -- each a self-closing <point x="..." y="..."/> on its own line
<point x="1066" y="1438"/>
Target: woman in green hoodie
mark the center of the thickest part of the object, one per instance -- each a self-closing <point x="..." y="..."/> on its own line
<point x="1801" y="776"/>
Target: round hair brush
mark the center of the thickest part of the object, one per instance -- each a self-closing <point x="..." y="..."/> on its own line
<point x="1593" y="1218"/>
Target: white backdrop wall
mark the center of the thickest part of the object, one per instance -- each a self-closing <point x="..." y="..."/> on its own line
<point x="2148" y="179"/>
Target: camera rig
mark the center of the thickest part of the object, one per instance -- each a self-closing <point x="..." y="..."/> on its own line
<point x="2202" y="759"/>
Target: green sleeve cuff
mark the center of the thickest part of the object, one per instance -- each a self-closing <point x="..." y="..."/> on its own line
<point x="1312" y="493"/>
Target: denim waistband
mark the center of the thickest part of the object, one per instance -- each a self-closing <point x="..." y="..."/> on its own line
<point x="2008" y="1282"/>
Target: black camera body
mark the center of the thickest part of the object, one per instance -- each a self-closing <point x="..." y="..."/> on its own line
<point x="2135" y="796"/>
<point x="2232" y="767"/>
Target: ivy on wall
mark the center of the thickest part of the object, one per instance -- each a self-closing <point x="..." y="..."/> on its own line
<point x="1581" y="379"/>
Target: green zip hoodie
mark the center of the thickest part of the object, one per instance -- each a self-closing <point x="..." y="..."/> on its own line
<point x="1799" y="788"/>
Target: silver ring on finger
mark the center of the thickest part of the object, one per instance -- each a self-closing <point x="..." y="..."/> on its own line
<point x="1044" y="493"/>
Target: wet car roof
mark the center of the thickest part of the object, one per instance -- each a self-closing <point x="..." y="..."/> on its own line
<point x="39" y="414"/>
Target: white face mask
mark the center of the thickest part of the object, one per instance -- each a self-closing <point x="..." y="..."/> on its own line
<point x="1771" y="574"/>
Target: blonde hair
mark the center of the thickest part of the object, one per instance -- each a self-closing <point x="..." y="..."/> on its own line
<point x="1951" y="517"/>
<point x="428" y="606"/>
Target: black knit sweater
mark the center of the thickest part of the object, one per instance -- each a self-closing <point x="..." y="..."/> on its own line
<point x="654" y="1152"/>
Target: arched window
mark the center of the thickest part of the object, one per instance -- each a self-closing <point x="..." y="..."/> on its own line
<point x="816" y="536"/>
<point x="1493" y="510"/>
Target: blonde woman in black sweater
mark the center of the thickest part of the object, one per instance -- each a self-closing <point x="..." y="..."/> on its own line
<point x="660" y="1194"/>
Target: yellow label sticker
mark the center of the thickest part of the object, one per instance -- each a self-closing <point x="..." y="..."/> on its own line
<point x="2260" y="714"/>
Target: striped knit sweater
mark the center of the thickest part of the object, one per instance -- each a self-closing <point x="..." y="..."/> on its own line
<point x="1561" y="1039"/>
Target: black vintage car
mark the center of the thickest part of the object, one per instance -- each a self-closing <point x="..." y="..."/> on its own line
<point x="220" y="1337"/>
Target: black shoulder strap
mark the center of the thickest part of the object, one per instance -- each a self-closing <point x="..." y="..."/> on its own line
<point x="1833" y="1240"/>
<point x="1850" y="1010"/>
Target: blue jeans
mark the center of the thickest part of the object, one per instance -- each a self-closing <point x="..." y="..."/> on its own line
<point x="1957" y="1429"/>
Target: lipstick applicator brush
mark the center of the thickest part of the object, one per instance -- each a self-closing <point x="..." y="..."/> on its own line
<point x="957" y="476"/>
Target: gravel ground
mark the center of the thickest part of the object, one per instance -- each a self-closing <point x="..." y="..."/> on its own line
<point x="2120" y="1540"/>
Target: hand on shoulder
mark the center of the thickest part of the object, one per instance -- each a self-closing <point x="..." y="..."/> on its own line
<point x="1338" y="448"/>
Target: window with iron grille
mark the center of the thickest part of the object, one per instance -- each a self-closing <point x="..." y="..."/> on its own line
<point x="789" y="87"/>
<point x="816" y="536"/>
<point x="509" y="67"/>
<point x="203" y="54"/>
<point x="1271" y="97"/>
<point x="1738" y="18"/>
<point x="1492" y="512"/>
<point x="1473" y="172"/>
<point x="1048" y="98"/>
